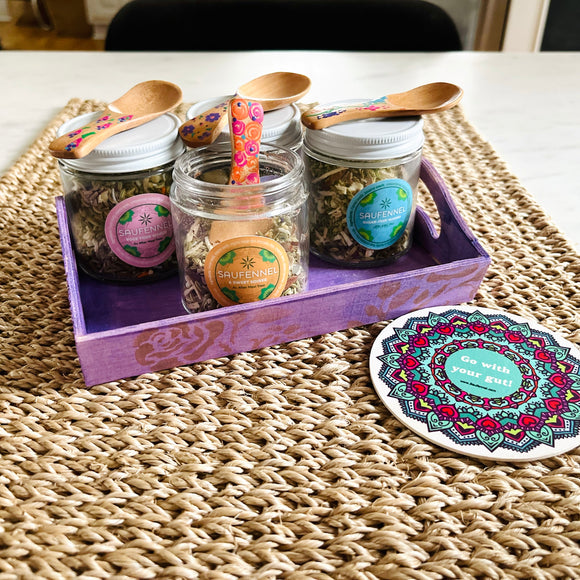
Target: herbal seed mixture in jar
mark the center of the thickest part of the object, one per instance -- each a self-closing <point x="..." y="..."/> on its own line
<point x="362" y="178"/>
<point x="239" y="243"/>
<point x="117" y="200"/>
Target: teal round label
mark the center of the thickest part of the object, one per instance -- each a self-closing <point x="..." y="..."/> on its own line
<point x="378" y="214"/>
<point x="483" y="373"/>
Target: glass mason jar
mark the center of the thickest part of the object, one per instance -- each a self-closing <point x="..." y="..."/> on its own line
<point x="280" y="127"/>
<point x="239" y="243"/>
<point x="362" y="178"/>
<point x="117" y="200"/>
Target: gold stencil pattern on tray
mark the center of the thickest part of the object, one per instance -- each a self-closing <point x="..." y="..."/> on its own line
<point x="277" y="463"/>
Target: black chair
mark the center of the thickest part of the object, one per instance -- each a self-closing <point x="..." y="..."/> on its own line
<point x="231" y="25"/>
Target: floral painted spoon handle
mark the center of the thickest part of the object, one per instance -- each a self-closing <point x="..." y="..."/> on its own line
<point x="81" y="141"/>
<point x="204" y="129"/>
<point x="246" y="118"/>
<point x="142" y="103"/>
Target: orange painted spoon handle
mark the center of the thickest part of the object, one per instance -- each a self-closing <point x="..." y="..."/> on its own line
<point x="246" y="119"/>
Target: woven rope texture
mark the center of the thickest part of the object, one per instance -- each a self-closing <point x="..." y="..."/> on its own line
<point x="278" y="463"/>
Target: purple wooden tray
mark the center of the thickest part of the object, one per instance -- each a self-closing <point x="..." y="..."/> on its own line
<point x="124" y="331"/>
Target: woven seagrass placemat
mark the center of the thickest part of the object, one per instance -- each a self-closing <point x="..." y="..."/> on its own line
<point x="278" y="463"/>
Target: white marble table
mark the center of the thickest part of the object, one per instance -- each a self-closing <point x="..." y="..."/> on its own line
<point x="524" y="104"/>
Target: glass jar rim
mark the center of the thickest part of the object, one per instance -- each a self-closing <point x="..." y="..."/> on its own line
<point x="215" y="152"/>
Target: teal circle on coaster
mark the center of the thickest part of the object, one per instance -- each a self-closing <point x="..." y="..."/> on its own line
<point x="480" y="382"/>
<point x="483" y="373"/>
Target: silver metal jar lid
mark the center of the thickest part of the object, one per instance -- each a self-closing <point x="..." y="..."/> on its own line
<point x="281" y="126"/>
<point x="150" y="145"/>
<point x="367" y="139"/>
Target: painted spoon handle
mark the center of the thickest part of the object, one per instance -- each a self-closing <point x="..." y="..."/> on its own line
<point x="322" y="116"/>
<point x="78" y="143"/>
<point x="204" y="129"/>
<point x="246" y="118"/>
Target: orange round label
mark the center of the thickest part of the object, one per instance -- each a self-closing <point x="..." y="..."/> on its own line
<point x="246" y="269"/>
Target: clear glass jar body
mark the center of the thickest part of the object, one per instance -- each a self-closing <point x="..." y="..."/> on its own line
<point x="222" y="232"/>
<point x="334" y="185"/>
<point x="102" y="249"/>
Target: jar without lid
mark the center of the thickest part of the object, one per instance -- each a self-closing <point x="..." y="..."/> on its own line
<point x="239" y="243"/>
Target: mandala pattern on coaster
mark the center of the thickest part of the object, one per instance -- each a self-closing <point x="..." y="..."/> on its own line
<point x="480" y="382"/>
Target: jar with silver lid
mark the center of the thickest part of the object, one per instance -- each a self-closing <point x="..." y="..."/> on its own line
<point x="117" y="200"/>
<point x="280" y="127"/>
<point x="362" y="178"/>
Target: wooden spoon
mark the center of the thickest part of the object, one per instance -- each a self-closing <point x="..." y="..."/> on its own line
<point x="430" y="98"/>
<point x="245" y="117"/>
<point x="272" y="91"/>
<point x="142" y="103"/>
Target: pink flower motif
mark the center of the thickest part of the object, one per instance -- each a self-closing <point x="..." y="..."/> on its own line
<point x="240" y="158"/>
<point x="252" y="148"/>
<point x="419" y="388"/>
<point x="479" y="327"/>
<point x="256" y="112"/>
<point x="488" y="424"/>
<point x="74" y="144"/>
<point x="253" y="178"/>
<point x="528" y="421"/>
<point x="448" y="411"/>
<point x="554" y="404"/>
<point x="410" y="362"/>
<point x="238" y="127"/>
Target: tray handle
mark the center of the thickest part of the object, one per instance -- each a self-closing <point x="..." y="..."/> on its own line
<point x="450" y="240"/>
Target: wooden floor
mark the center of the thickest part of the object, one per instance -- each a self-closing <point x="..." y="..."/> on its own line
<point x="29" y="37"/>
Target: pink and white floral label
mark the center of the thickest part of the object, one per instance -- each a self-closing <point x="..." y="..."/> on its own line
<point x="139" y="230"/>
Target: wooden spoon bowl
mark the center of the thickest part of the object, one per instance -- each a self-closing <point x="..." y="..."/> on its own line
<point x="276" y="90"/>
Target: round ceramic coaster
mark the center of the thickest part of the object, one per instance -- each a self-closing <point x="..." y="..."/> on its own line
<point x="480" y="382"/>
